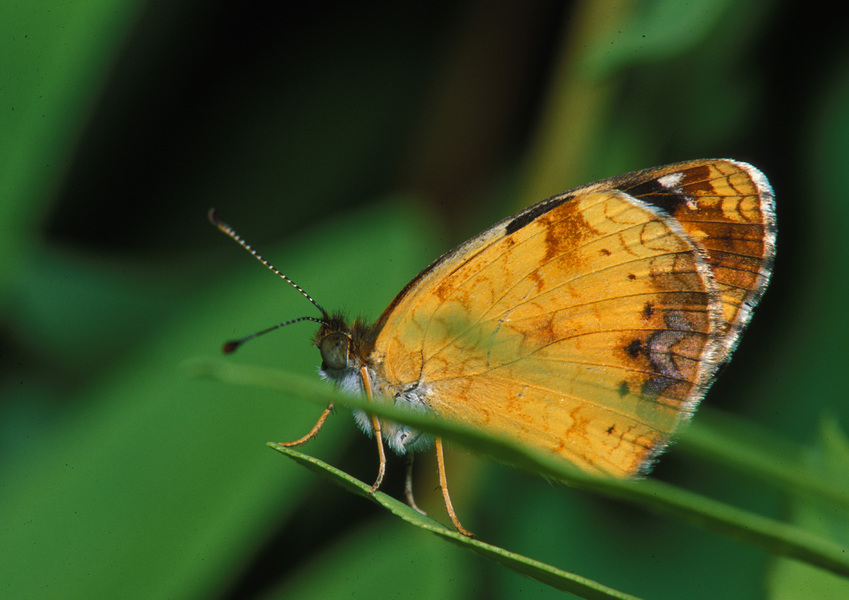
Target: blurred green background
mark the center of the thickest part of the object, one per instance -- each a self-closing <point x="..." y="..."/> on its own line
<point x="353" y="143"/>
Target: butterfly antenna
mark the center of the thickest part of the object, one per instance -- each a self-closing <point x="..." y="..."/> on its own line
<point x="216" y="220"/>
<point x="233" y="344"/>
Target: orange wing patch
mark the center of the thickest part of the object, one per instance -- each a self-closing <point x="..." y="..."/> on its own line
<point x="588" y="331"/>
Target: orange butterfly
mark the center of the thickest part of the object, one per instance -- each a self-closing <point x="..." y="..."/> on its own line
<point x="589" y="325"/>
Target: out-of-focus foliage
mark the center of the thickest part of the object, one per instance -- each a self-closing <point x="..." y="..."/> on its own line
<point x="353" y="143"/>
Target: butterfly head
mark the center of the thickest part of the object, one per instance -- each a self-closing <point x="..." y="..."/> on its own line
<point x="333" y="340"/>
<point x="344" y="347"/>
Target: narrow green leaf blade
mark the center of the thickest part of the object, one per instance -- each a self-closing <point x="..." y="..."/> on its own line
<point x="656" y="496"/>
<point x="547" y="574"/>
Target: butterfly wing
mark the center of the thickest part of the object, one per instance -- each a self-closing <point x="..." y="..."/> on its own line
<point x="727" y="208"/>
<point x="588" y="325"/>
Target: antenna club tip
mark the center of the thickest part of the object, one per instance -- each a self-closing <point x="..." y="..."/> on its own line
<point x="230" y="347"/>
<point x="214" y="217"/>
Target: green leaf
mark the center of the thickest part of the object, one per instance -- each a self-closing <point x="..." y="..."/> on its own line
<point x="791" y="579"/>
<point x="774" y="536"/>
<point x="750" y="449"/>
<point x="562" y="580"/>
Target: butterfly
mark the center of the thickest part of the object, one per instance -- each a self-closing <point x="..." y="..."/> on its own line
<point x="588" y="326"/>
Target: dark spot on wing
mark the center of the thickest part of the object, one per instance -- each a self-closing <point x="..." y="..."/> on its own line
<point x="695" y="181"/>
<point x="534" y="212"/>
<point x="657" y="195"/>
<point x="634" y="348"/>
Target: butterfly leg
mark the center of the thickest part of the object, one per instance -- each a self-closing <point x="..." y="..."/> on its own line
<point x="408" y="484"/>
<point x="314" y="431"/>
<point x="443" y="483"/>
<point x="381" y="455"/>
<point x="378" y="436"/>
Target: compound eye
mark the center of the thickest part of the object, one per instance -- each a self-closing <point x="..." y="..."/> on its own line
<point x="334" y="351"/>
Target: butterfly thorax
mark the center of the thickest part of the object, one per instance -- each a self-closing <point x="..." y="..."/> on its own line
<point x="346" y="358"/>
